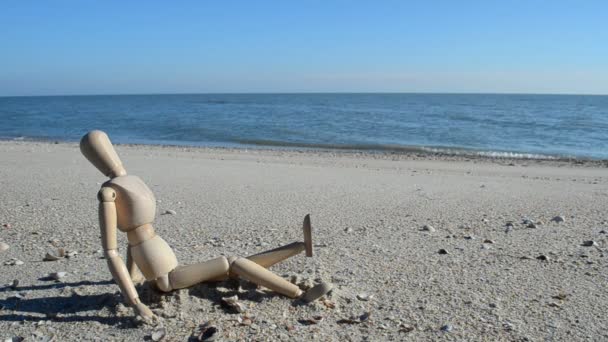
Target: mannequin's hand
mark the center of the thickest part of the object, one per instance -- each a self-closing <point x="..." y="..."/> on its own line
<point x="145" y="313"/>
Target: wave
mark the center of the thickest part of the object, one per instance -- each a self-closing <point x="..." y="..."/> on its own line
<point x="407" y="149"/>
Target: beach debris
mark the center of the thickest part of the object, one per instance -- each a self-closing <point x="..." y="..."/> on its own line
<point x="405" y="328"/>
<point x="245" y="320"/>
<point x="317" y="292"/>
<point x="169" y="212"/>
<point x="329" y="304"/>
<point x="589" y="243"/>
<point x="158" y="334"/>
<point x="442" y="251"/>
<point x="428" y="228"/>
<point x="57" y="275"/>
<point x="13" y="262"/>
<point x="233" y="304"/>
<point x="355" y="319"/>
<point x="558" y="219"/>
<point x="311" y="321"/>
<point x="447" y="328"/>
<point x="364" y="296"/>
<point x="206" y="332"/>
<point x="488" y="241"/>
<point x="14" y="339"/>
<point x="542" y="257"/>
<point x="50" y="257"/>
<point x="4" y="246"/>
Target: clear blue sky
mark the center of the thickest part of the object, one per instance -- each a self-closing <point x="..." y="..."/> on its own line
<point x="121" y="47"/>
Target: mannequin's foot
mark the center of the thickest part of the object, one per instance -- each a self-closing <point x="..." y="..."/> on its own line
<point x="316" y="292"/>
<point x="307" y="235"/>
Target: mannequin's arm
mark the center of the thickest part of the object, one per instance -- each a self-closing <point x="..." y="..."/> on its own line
<point x="107" y="221"/>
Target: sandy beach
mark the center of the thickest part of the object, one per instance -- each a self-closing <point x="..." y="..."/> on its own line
<point x="490" y="265"/>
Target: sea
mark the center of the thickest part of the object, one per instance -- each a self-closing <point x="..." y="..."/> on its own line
<point x="492" y="125"/>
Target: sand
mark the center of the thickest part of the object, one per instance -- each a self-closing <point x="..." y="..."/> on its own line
<point x="368" y="211"/>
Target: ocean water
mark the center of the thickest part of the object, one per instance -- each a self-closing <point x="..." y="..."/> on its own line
<point x="532" y="126"/>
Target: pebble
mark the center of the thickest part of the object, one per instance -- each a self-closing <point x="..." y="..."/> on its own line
<point x="348" y="230"/>
<point x="158" y="334"/>
<point x="558" y="219"/>
<point x="447" y="328"/>
<point x="364" y="296"/>
<point x="50" y="257"/>
<point x="15" y="284"/>
<point x="233" y="303"/>
<point x="602" y="232"/>
<point x="442" y="251"/>
<point x="61" y="252"/>
<point x="469" y="237"/>
<point x="170" y="212"/>
<point x="589" y="243"/>
<point x="488" y="241"/>
<point x="57" y="275"/>
<point x="428" y="228"/>
<point x="13" y="262"/>
<point x="4" y="246"/>
<point x="317" y="292"/>
<point x="531" y="225"/>
<point x="542" y="257"/>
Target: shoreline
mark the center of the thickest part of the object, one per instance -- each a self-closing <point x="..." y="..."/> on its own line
<point x="414" y="153"/>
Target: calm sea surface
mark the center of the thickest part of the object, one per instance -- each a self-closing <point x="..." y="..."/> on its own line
<point x="495" y="125"/>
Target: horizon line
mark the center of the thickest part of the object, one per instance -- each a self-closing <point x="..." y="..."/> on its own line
<point x="310" y="93"/>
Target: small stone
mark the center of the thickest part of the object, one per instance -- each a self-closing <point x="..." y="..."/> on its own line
<point x="488" y="241"/>
<point x="558" y="219"/>
<point x="158" y="334"/>
<point x="589" y="243"/>
<point x="447" y="328"/>
<point x="428" y="228"/>
<point x="15" y="284"/>
<point x="207" y="333"/>
<point x="61" y="252"/>
<point x="527" y="222"/>
<point x="71" y="254"/>
<point x="50" y="257"/>
<point x="542" y="257"/>
<point x="531" y="225"/>
<point x="170" y="212"/>
<point x="364" y="296"/>
<point x="57" y="275"/>
<point x="317" y="292"/>
<point x="6" y="225"/>
<point x="13" y="262"/>
<point x="442" y="251"/>
<point x="348" y="230"/>
<point x="4" y="246"/>
<point x="602" y="232"/>
<point x="469" y="237"/>
<point x="233" y="304"/>
<point x="540" y="222"/>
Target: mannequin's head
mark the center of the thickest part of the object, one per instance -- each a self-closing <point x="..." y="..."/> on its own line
<point x="98" y="149"/>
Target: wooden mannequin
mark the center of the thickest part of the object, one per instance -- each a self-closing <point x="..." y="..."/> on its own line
<point x="128" y="205"/>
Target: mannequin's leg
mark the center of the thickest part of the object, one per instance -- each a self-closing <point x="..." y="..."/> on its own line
<point x="259" y="275"/>
<point x="271" y="257"/>
<point x="186" y="276"/>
